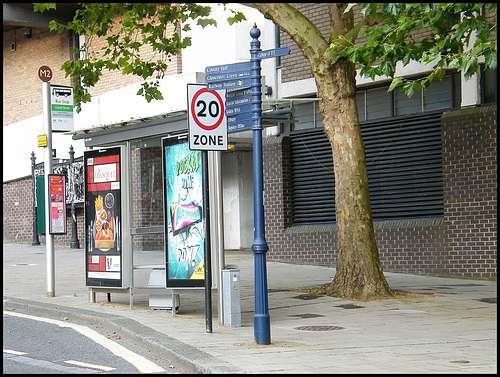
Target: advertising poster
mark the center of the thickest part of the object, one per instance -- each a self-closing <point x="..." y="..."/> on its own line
<point x="185" y="215"/>
<point x="57" y="199"/>
<point x="103" y="253"/>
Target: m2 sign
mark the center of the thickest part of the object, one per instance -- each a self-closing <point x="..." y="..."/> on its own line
<point x="186" y="227"/>
<point x="207" y="124"/>
<point x="103" y="252"/>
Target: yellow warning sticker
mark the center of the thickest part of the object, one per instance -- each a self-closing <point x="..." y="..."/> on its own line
<point x="199" y="271"/>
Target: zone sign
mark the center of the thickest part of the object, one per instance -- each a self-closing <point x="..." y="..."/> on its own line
<point x="207" y="123"/>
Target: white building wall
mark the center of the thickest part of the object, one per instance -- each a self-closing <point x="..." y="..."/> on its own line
<point x="210" y="46"/>
<point x="237" y="173"/>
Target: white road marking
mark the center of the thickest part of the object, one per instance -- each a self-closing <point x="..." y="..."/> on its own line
<point x="12" y="352"/>
<point x="87" y="365"/>
<point x="140" y="362"/>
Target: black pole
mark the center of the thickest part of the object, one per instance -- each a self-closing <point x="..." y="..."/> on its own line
<point x="74" y="243"/>
<point x="208" y="262"/>
<point x="36" y="241"/>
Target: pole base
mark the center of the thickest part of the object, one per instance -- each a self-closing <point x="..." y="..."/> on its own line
<point x="262" y="329"/>
<point x="74" y="244"/>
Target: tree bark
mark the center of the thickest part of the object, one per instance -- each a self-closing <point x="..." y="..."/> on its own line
<point x="359" y="274"/>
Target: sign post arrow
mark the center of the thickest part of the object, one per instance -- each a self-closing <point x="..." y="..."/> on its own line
<point x="239" y="83"/>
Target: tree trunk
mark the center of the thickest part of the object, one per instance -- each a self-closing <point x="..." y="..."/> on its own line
<point x="359" y="274"/>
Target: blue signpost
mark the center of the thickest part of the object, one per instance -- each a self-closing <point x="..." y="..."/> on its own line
<point x="244" y="111"/>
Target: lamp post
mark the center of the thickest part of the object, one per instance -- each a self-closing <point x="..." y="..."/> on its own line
<point x="36" y="241"/>
<point x="74" y="243"/>
<point x="262" y="330"/>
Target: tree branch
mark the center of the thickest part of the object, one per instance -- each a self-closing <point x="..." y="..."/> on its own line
<point x="307" y="36"/>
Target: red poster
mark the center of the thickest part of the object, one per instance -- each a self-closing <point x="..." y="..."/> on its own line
<point x="103" y="217"/>
<point x="57" y="204"/>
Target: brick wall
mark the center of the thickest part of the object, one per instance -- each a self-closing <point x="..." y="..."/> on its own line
<point x="22" y="89"/>
<point x="22" y="97"/>
<point x="470" y="189"/>
<point x="18" y="216"/>
<point x="461" y="244"/>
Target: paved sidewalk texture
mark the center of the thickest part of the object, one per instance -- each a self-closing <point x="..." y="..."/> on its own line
<point x="453" y="332"/>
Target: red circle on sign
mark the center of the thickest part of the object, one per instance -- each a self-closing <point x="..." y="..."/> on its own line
<point x="193" y="101"/>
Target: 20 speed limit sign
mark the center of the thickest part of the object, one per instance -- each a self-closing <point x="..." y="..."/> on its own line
<point x="207" y="123"/>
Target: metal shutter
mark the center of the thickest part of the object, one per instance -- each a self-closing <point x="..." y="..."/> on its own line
<point x="404" y="170"/>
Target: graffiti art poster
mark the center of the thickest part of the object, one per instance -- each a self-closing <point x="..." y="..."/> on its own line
<point x="103" y="217"/>
<point x="185" y="213"/>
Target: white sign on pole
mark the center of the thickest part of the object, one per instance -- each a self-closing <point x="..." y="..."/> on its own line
<point x="61" y="100"/>
<point x="207" y="123"/>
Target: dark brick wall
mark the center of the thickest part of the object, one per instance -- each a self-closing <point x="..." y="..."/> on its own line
<point x="462" y="243"/>
<point x="470" y="189"/>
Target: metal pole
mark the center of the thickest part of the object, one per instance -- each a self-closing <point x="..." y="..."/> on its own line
<point x="74" y="243"/>
<point x="49" y="238"/>
<point x="36" y="241"/>
<point x="262" y="331"/>
<point x="208" y="264"/>
<point x="219" y="227"/>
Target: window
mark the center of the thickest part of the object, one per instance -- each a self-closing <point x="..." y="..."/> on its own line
<point x="377" y="103"/>
<point x="488" y="85"/>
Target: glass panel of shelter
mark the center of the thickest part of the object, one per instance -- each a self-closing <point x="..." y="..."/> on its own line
<point x="148" y="247"/>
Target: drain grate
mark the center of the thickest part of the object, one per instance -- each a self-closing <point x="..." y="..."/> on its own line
<point x="350" y="306"/>
<point x="306" y="315"/>
<point x="319" y="328"/>
<point x="306" y="297"/>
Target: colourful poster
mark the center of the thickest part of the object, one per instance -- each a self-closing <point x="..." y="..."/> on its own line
<point x="102" y="217"/>
<point x="57" y="200"/>
<point x="185" y="220"/>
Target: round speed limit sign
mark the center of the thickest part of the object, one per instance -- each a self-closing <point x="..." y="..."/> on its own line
<point x="207" y="122"/>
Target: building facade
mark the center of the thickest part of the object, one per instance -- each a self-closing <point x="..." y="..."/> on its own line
<point x="431" y="162"/>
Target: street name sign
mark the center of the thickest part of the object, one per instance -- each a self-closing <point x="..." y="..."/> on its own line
<point x="218" y="77"/>
<point x="239" y="118"/>
<point x="239" y="101"/>
<point x="207" y="122"/>
<point x="239" y="109"/>
<point x="274" y="53"/>
<point x="238" y="93"/>
<point x="240" y="126"/>
<point x="239" y="83"/>
<point x="225" y="68"/>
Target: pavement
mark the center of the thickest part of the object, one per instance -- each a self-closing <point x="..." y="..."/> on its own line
<point x="452" y="331"/>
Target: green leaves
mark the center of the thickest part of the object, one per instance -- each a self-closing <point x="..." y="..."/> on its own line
<point x="42" y="7"/>
<point x="127" y="30"/>
<point x="394" y="32"/>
